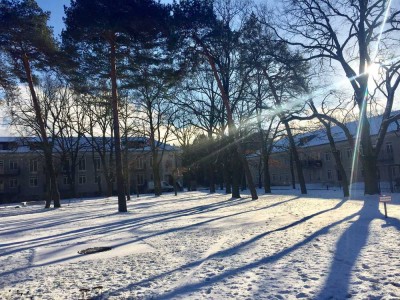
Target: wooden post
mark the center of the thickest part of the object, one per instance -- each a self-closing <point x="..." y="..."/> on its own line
<point x="384" y="204"/>
<point x="385" y="199"/>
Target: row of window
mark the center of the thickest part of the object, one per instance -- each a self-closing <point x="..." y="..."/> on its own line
<point x="329" y="175"/>
<point x="33" y="180"/>
<point x="33" y="164"/>
<point x="349" y="152"/>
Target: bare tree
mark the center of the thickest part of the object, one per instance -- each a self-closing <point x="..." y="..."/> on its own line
<point x="316" y="26"/>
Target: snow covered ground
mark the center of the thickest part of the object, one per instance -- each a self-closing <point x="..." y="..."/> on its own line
<point x="202" y="246"/>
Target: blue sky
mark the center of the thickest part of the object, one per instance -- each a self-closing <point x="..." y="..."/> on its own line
<point x="56" y="7"/>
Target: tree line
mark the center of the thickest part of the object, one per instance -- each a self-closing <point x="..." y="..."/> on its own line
<point x="229" y="75"/>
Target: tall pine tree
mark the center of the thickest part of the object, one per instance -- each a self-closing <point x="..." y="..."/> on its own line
<point x="28" y="46"/>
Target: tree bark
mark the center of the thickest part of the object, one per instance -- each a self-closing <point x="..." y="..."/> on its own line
<point x="368" y="158"/>
<point x="296" y="158"/>
<point x="338" y="160"/>
<point x="292" y="175"/>
<point x="211" y="165"/>
<point x="232" y="130"/>
<point x="55" y="194"/>
<point x="122" y="207"/>
<point x="267" y="176"/>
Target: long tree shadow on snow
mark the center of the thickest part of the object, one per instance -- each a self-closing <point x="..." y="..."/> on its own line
<point x="117" y="225"/>
<point x="348" y="249"/>
<point x="140" y="239"/>
<point x="184" y="289"/>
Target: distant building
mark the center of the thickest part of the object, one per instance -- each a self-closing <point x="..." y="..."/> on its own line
<point x="318" y="163"/>
<point x="23" y="171"/>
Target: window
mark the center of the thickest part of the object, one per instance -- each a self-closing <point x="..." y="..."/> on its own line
<point x="151" y="161"/>
<point x="33" y="166"/>
<point x="82" y="164"/>
<point x="140" y="163"/>
<point x="393" y="171"/>
<point x="348" y="152"/>
<point x="97" y="179"/>
<point x="327" y="156"/>
<point x="66" y="180"/>
<point x="389" y="148"/>
<point x="13" y="165"/>
<point x="97" y="163"/>
<point x="82" y="179"/>
<point x="329" y="174"/>
<point x="33" y="181"/>
<point x="13" y="183"/>
<point x="140" y="179"/>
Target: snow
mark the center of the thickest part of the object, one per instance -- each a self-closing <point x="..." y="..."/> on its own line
<point x="319" y="137"/>
<point x="202" y="246"/>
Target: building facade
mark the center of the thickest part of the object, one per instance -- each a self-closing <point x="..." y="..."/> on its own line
<point x="319" y="166"/>
<point x="23" y="171"/>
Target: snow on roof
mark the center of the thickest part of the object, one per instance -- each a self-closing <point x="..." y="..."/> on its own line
<point x="319" y="137"/>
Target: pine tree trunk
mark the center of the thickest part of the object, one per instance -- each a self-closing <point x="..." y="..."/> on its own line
<point x="122" y="206"/>
<point x="55" y="194"/>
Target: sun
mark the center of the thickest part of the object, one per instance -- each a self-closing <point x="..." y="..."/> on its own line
<point x="373" y="70"/>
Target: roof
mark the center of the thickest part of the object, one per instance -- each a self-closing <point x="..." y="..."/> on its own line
<point x="319" y="137"/>
<point x="26" y="144"/>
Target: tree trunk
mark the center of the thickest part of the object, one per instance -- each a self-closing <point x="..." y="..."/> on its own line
<point x="127" y="173"/>
<point x="338" y="161"/>
<point x="371" y="179"/>
<point x="249" y="177"/>
<point x="211" y="176"/>
<point x="227" y="175"/>
<point x="156" y="174"/>
<point x="292" y="176"/>
<point x="368" y="159"/>
<point x="122" y="207"/>
<point x="296" y="158"/>
<point x="235" y="164"/>
<point x="267" y="177"/>
<point x="55" y="194"/>
<point x="232" y="129"/>
<point x="47" y="191"/>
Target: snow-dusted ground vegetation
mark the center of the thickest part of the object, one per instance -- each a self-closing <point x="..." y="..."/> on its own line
<point x="202" y="246"/>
